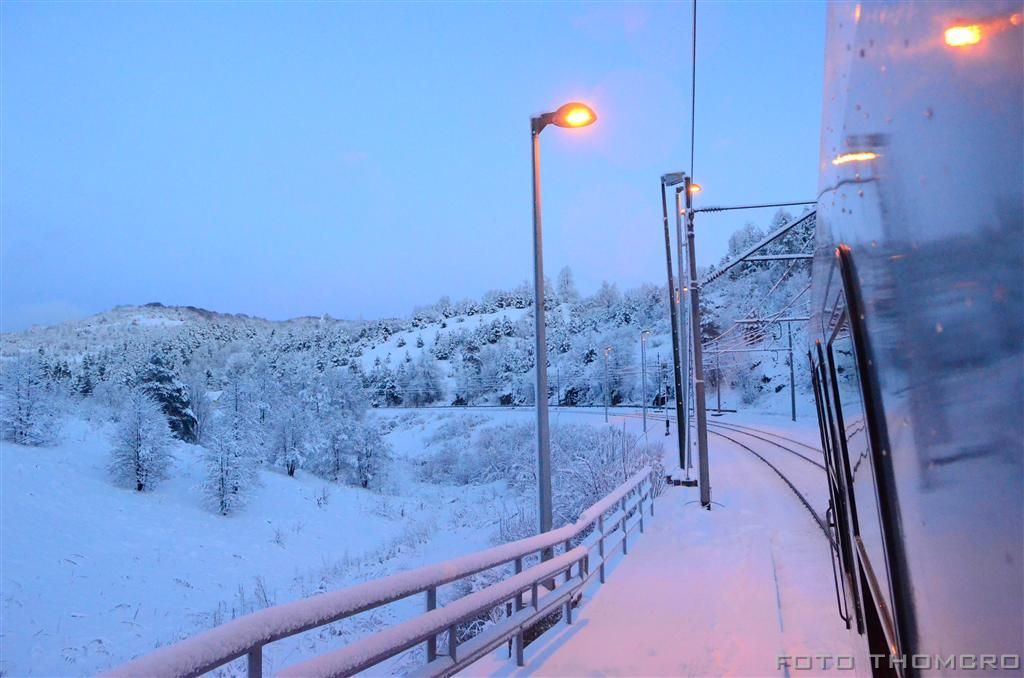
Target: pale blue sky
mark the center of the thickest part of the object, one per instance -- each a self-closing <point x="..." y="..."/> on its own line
<point x="360" y="159"/>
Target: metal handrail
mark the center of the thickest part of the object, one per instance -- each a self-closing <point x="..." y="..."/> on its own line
<point x="247" y="635"/>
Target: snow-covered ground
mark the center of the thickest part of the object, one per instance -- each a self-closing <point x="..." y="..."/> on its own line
<point x="721" y="592"/>
<point x="93" y="575"/>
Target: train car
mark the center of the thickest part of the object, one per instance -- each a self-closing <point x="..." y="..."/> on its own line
<point x="917" y="331"/>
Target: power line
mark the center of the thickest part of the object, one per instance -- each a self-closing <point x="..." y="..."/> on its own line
<point x="693" y="87"/>
<point x="754" y="207"/>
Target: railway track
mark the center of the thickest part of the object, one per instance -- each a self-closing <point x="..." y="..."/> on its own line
<point x="820" y="521"/>
<point x="771" y="433"/>
<point x="736" y="430"/>
<point x="746" y="430"/>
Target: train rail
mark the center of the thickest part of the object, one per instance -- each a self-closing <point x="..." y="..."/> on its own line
<point x="819" y="520"/>
<point x="746" y="430"/>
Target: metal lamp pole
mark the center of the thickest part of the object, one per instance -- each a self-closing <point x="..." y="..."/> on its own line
<point x="569" y="115"/>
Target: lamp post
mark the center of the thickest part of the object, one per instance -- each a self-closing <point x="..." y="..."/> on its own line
<point x="607" y="390"/>
<point x="643" y="373"/>
<point x="569" y="115"/>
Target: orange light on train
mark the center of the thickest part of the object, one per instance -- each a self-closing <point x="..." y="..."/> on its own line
<point x="695" y="188"/>
<point x="963" y="36"/>
<point x="859" y="156"/>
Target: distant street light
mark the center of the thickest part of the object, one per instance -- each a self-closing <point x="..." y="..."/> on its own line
<point x="570" y="115"/>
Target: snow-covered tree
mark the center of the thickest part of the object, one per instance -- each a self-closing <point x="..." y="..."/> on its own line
<point x="141" y="454"/>
<point x="373" y="457"/>
<point x="159" y="381"/>
<point x="288" y="435"/>
<point x="567" y="293"/>
<point x="232" y="443"/>
<point x="424" y="386"/>
<point x="200" y="404"/>
<point x="28" y="414"/>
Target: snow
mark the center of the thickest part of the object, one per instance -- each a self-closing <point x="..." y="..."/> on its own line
<point x="201" y="653"/>
<point x="365" y="653"/>
<point x="93" y="574"/>
<point x="721" y="592"/>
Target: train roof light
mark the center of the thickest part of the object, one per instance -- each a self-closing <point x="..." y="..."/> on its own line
<point x="858" y="156"/>
<point x="963" y="36"/>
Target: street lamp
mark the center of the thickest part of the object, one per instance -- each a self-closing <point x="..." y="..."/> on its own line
<point x="570" y="115"/>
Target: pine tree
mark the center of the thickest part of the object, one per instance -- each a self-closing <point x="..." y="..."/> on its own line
<point x="141" y="456"/>
<point x="28" y="415"/>
<point x="84" y="383"/>
<point x="159" y="381"/>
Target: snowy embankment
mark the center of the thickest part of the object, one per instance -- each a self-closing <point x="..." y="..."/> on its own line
<point x="93" y="575"/>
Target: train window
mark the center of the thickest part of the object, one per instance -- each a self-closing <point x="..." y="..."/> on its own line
<point x="855" y="448"/>
<point x="837" y="474"/>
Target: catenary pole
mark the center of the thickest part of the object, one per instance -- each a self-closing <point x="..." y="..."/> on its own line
<point x="675" y="326"/>
<point x="698" y="358"/>
<point x="684" y="353"/>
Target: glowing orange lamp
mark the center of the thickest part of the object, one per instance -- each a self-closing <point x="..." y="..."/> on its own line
<point x="963" y="36"/>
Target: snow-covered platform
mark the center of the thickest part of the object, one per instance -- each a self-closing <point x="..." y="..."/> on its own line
<point x="721" y="592"/>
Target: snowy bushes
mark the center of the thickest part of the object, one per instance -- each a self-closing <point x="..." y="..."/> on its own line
<point x="588" y="462"/>
<point x="140" y="457"/>
<point x="28" y="413"/>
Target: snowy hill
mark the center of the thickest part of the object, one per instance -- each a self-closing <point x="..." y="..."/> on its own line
<point x="94" y="574"/>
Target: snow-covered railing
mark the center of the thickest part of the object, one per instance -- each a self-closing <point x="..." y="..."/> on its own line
<point x="623" y="510"/>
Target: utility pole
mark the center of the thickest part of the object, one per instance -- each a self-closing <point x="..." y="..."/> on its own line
<point x="671" y="180"/>
<point x="558" y="385"/>
<point x="792" y="380"/>
<point x="607" y="392"/>
<point x="683" y="425"/>
<point x="718" y="375"/>
<point x="698" y="358"/>
<point x="643" y="373"/>
<point x="661" y="379"/>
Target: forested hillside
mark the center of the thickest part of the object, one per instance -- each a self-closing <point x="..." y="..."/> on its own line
<point x="295" y="394"/>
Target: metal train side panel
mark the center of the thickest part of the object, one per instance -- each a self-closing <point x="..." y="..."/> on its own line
<point x="922" y="182"/>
